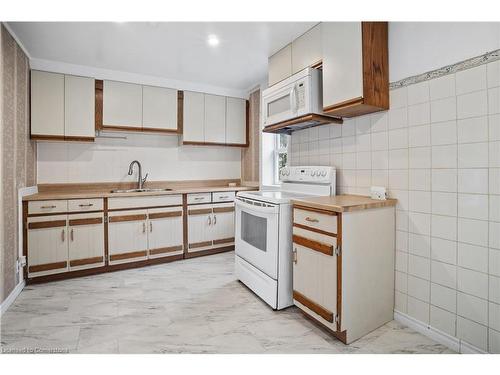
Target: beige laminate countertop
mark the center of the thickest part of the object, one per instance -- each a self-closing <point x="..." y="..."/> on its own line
<point x="343" y="203"/>
<point x="107" y="193"/>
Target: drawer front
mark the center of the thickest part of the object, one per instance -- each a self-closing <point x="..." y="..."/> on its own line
<point x="199" y="198"/>
<point x="226" y="196"/>
<point x="325" y="222"/>
<point x="47" y="207"/>
<point x="76" y="205"/>
<point x="144" y="202"/>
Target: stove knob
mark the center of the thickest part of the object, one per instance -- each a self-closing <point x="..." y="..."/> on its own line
<point x="313" y="173"/>
<point x="323" y="173"/>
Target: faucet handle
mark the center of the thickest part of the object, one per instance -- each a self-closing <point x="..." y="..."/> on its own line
<point x="145" y="178"/>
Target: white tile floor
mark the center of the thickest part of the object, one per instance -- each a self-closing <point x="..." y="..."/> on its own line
<point x="191" y="306"/>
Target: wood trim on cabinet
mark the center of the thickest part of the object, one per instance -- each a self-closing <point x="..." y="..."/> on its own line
<point x="223" y="241"/>
<point x="42" y="137"/>
<point x="99" y="90"/>
<point x="301" y="122"/>
<point x="142" y="208"/>
<point x="195" y="143"/>
<point x="180" y="112"/>
<point x="155" y="130"/>
<point x="313" y="306"/>
<point x="131" y="254"/>
<point x="78" y="139"/>
<point x="313" y="209"/>
<point x="75" y="222"/>
<point x="223" y="209"/>
<point x="343" y="105"/>
<point x="164" y="250"/>
<point x="160" y="215"/>
<point x="200" y="211"/>
<point x="48" y="266"/>
<point x="85" y="261"/>
<point x="313" y="245"/>
<point x="311" y="229"/>
<point x="202" y="253"/>
<point x="341" y="335"/>
<point x="196" y="245"/>
<point x="47" y="224"/>
<point x="138" y="217"/>
<point x="103" y="269"/>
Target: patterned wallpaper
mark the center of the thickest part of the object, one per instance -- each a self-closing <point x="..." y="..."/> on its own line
<point x="18" y="153"/>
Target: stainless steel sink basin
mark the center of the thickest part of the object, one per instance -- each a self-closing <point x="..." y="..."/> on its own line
<point x="138" y="190"/>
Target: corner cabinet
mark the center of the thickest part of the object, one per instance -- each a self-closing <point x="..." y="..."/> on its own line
<point x="62" y="107"/>
<point x="214" y="120"/>
<point x="355" y="68"/>
<point x="343" y="268"/>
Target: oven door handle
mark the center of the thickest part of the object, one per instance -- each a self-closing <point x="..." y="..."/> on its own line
<point x="256" y="208"/>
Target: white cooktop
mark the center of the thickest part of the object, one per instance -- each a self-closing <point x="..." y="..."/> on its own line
<point x="273" y="196"/>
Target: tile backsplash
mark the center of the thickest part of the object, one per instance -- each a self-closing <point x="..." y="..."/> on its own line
<point x="437" y="150"/>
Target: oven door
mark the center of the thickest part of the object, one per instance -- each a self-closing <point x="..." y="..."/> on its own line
<point x="256" y="234"/>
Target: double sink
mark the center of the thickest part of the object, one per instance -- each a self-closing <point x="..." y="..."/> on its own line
<point x="138" y="190"/>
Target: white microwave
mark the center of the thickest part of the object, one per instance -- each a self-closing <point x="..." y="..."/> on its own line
<point x="296" y="96"/>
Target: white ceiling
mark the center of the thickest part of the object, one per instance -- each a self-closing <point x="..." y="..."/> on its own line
<point x="172" y="50"/>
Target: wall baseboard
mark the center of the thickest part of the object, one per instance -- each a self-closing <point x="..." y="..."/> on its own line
<point x="11" y="297"/>
<point x="450" y="342"/>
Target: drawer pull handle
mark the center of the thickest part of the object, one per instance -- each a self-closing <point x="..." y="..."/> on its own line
<point x="223" y="197"/>
<point x="312" y="220"/>
<point x="86" y="205"/>
<point x="199" y="198"/>
<point x="53" y="206"/>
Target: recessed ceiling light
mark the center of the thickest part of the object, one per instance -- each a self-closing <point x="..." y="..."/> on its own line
<point x="213" y="40"/>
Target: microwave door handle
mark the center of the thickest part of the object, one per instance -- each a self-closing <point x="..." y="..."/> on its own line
<point x="292" y="100"/>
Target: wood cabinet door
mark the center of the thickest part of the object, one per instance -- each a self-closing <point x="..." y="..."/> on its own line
<point x="193" y="117"/>
<point x="307" y="49"/>
<point x="236" y="121"/>
<point x="127" y="236"/>
<point x="315" y="274"/>
<point x="79" y="106"/>
<point x="47" y="245"/>
<point x="280" y="65"/>
<point x="200" y="223"/>
<point x="86" y="241"/>
<point x="223" y="224"/>
<point x="215" y="118"/>
<point x="159" y="108"/>
<point x="122" y="105"/>
<point x="165" y="236"/>
<point x="342" y="62"/>
<point x="47" y="104"/>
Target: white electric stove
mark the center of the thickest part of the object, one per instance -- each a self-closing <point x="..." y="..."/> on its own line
<point x="263" y="232"/>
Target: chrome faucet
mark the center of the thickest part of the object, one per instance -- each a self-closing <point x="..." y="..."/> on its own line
<point x="140" y="180"/>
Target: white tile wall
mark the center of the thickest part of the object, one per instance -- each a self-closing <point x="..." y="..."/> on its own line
<point x="437" y="150"/>
<point x="107" y="160"/>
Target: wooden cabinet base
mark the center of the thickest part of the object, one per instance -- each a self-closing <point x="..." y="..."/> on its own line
<point x="342" y="336"/>
<point x="209" y="252"/>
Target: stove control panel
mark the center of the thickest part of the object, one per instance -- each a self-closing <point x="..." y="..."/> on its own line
<point x="318" y="174"/>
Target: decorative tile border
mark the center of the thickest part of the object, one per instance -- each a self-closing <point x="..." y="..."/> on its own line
<point x="466" y="64"/>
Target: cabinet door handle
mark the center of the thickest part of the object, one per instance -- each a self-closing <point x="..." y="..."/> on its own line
<point x="63" y="235"/>
<point x="209" y="220"/>
<point x="86" y="205"/>
<point x="143" y="227"/>
<point x="215" y="219"/>
<point x="312" y="220"/>
<point x="72" y="235"/>
<point x="150" y="226"/>
<point x="294" y="255"/>
<point x="199" y="198"/>
<point x="223" y="197"/>
<point x="52" y="206"/>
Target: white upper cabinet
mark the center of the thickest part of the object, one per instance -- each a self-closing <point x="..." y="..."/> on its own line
<point x="79" y="107"/>
<point x="280" y="65"/>
<point x="215" y="118"/>
<point x="194" y="117"/>
<point x="122" y="104"/>
<point x="307" y="49"/>
<point x="47" y="104"/>
<point x="159" y="108"/>
<point x="236" y="121"/>
<point x="342" y="62"/>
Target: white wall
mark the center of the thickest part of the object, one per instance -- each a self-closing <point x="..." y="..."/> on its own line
<point x="417" y="47"/>
<point x="107" y="160"/>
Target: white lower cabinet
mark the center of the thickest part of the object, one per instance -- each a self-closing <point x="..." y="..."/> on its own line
<point x="86" y="241"/>
<point x="127" y="236"/>
<point x="210" y="226"/>
<point x="165" y="236"/>
<point x="47" y="245"/>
